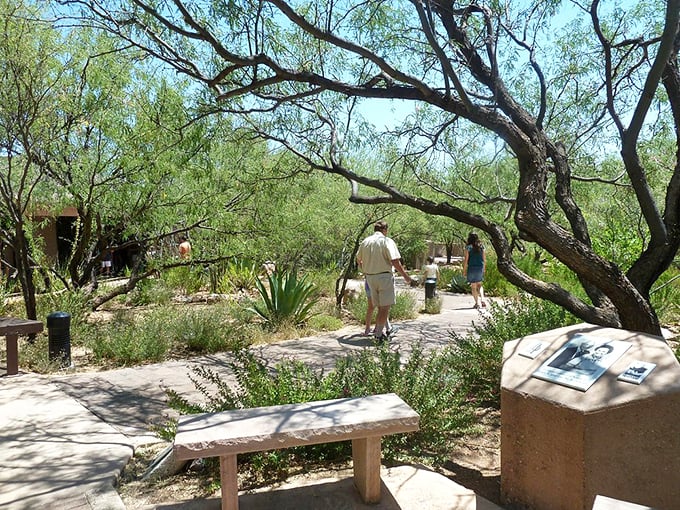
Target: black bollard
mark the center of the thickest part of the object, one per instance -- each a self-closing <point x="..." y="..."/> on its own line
<point x="59" y="337"/>
<point x="430" y="288"/>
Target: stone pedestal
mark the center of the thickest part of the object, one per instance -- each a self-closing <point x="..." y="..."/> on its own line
<point x="562" y="447"/>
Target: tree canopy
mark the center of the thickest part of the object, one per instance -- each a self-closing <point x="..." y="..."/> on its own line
<point x="513" y="113"/>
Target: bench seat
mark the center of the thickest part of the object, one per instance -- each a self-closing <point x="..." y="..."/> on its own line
<point x="363" y="420"/>
<point x="11" y="329"/>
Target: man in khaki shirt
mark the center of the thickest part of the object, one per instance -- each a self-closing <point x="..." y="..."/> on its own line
<point x="378" y="256"/>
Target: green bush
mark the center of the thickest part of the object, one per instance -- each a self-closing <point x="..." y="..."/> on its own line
<point x="233" y="275"/>
<point x="324" y="322"/>
<point x="433" y="305"/>
<point x="163" y="331"/>
<point x="323" y="280"/>
<point x="665" y="297"/>
<point x="446" y="275"/>
<point x="126" y="342"/>
<point x="357" y="307"/>
<point x="406" y="307"/>
<point x="478" y="356"/>
<point x="287" y="300"/>
<point x="150" y="291"/>
<point x="73" y="302"/>
<point x="424" y="381"/>
<point x="186" y="279"/>
<point x="459" y="284"/>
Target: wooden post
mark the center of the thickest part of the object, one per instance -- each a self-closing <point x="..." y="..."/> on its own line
<point x="12" y="342"/>
<point x="229" y="482"/>
<point x="366" y="457"/>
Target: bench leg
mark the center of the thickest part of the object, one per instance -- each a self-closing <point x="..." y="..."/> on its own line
<point x="12" y="343"/>
<point x="366" y="458"/>
<point x="229" y="482"/>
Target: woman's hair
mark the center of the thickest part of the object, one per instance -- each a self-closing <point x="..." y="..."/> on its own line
<point x="430" y="259"/>
<point x="605" y="346"/>
<point x="473" y="240"/>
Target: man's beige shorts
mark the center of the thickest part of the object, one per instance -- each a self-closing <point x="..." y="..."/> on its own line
<point x="382" y="289"/>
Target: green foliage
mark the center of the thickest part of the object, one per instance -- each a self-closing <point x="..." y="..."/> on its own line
<point x="186" y="279"/>
<point x="127" y="342"/>
<point x="72" y="302"/>
<point x="286" y="300"/>
<point x="4" y="299"/>
<point x="166" y="331"/>
<point x="665" y="297"/>
<point x="324" y="322"/>
<point x="433" y="305"/>
<point x="614" y="239"/>
<point x="234" y="275"/>
<point x="478" y="356"/>
<point x="446" y="275"/>
<point x="424" y="381"/>
<point x="459" y="284"/>
<point x="150" y="291"/>
<point x="36" y="356"/>
<point x="323" y="279"/>
<point x="495" y="284"/>
<point x="357" y="307"/>
<point x="406" y="307"/>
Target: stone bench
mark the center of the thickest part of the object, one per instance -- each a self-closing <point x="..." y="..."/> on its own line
<point x="362" y="420"/>
<point x="11" y="328"/>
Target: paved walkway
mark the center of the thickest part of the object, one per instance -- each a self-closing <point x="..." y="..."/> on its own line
<point x="65" y="438"/>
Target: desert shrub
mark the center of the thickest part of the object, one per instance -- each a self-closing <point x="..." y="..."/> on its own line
<point x="446" y="274"/>
<point x="424" y="381"/>
<point x="357" y="307"/>
<point x="287" y="299"/>
<point x="163" y="331"/>
<point x="186" y="279"/>
<point x="203" y="331"/>
<point x="477" y="357"/>
<point x="324" y="322"/>
<point x="406" y="307"/>
<point x="150" y="291"/>
<point x="233" y="275"/>
<point x="73" y="302"/>
<point x="433" y="305"/>
<point x="665" y="297"/>
<point x="126" y="341"/>
<point x="35" y="356"/>
<point x="323" y="280"/>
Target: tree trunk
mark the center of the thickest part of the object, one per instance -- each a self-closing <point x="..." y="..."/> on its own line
<point x="25" y="272"/>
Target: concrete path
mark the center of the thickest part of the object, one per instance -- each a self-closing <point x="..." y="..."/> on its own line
<point x="65" y="438"/>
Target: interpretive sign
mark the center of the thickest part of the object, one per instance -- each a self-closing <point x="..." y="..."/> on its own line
<point x="636" y="372"/>
<point x="581" y="361"/>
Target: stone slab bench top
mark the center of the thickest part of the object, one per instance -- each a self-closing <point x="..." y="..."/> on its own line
<point x="283" y="426"/>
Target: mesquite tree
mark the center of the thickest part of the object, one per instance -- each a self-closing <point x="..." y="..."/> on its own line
<point x="495" y="82"/>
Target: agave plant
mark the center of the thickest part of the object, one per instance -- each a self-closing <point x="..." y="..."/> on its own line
<point x="288" y="299"/>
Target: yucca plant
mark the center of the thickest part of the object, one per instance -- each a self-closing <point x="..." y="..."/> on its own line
<point x="288" y="300"/>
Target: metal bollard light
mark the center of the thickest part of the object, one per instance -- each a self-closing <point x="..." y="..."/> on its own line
<point x="59" y="337"/>
<point x="430" y="288"/>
